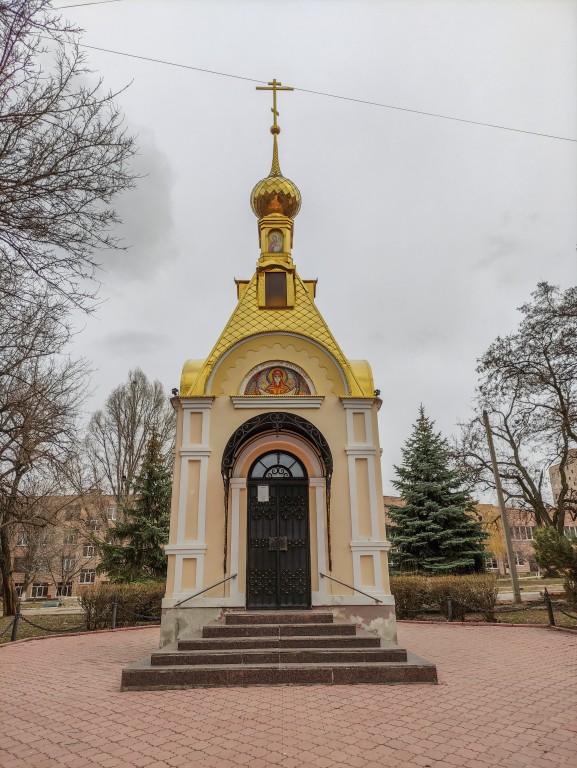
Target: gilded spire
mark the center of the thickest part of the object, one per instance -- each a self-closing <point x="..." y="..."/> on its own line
<point x="275" y="194"/>
<point x="275" y="167"/>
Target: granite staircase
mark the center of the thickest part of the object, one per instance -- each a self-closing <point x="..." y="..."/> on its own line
<point x="277" y="648"/>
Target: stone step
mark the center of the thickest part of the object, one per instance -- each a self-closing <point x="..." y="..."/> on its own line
<point x="362" y="639"/>
<point x="278" y="657"/>
<point x="143" y="676"/>
<point x="278" y="617"/>
<point x="276" y="630"/>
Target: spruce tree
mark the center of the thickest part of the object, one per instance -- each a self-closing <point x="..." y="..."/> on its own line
<point x="434" y="532"/>
<point x="135" y="552"/>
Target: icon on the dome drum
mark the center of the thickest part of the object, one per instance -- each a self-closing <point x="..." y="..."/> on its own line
<point x="277" y="380"/>
<point x="275" y="241"/>
<point x="275" y="205"/>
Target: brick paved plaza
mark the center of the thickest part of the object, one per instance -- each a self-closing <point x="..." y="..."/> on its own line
<point x="507" y="697"/>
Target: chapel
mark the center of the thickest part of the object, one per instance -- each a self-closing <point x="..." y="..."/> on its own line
<point x="277" y="495"/>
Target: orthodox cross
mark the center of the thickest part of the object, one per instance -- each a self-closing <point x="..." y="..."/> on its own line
<point x="274" y="87"/>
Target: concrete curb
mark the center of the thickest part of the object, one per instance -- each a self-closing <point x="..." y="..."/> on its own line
<point x="77" y="634"/>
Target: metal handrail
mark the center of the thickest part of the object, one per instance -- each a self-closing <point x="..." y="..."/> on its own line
<point x="350" y="586"/>
<point x="206" y="589"/>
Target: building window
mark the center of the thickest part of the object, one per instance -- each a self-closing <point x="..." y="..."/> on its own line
<point x="87" y="577"/>
<point x="111" y="513"/>
<point x="88" y="550"/>
<point x="64" y="589"/>
<point x="275" y="289"/>
<point x="72" y="514"/>
<point x="94" y="524"/>
<point x="39" y="590"/>
<point x="68" y="564"/>
<point x="22" y="539"/>
<point x="20" y="591"/>
<point x="519" y="559"/>
<point x="571" y="531"/>
<point x="69" y="538"/>
<point x="522" y="532"/>
<point x="491" y="563"/>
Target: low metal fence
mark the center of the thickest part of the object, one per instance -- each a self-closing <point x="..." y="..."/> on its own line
<point x="453" y="609"/>
<point x="15" y="624"/>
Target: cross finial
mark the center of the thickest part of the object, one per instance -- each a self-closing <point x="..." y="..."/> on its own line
<point x="274" y="86"/>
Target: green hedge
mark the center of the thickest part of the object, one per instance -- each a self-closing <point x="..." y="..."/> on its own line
<point x="136" y="604"/>
<point x="416" y="595"/>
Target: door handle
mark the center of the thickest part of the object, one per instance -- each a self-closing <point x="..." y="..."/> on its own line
<point x="278" y="543"/>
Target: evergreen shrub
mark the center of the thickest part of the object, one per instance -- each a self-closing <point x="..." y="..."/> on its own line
<point x="475" y="593"/>
<point x="433" y="530"/>
<point x="557" y="553"/>
<point x="137" y="603"/>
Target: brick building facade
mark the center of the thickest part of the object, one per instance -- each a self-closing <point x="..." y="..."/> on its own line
<point x="58" y="559"/>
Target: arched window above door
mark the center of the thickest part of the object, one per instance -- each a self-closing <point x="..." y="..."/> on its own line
<point x="277" y="465"/>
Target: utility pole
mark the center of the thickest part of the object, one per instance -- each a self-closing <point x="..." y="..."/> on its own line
<point x="504" y="521"/>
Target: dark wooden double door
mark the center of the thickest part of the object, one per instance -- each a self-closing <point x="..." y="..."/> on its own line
<point x="278" y="552"/>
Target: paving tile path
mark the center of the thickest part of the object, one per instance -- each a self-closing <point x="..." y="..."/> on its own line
<point x="507" y="697"/>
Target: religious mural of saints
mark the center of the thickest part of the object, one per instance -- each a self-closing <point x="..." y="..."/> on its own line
<point x="277" y="380"/>
<point x="275" y="242"/>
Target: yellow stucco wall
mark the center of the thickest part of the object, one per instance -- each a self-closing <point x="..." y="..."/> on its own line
<point x="330" y="418"/>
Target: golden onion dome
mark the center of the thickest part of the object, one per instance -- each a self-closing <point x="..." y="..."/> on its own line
<point x="275" y="194"/>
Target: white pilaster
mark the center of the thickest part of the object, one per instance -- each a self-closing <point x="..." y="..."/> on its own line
<point x="189" y="453"/>
<point x="319" y="484"/>
<point x="237" y="484"/>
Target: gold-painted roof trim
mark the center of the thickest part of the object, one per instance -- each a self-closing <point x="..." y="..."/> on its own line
<point x="304" y="319"/>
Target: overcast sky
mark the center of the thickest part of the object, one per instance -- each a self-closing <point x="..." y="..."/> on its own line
<point x="425" y="234"/>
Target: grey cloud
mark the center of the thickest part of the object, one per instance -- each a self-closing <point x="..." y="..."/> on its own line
<point x="134" y="342"/>
<point x="146" y="216"/>
<point x="500" y="247"/>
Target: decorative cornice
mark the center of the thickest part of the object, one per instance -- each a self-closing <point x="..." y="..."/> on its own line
<point x="368" y="546"/>
<point x="357" y="403"/>
<point x="188" y="548"/>
<point x="360" y="450"/>
<point x="261" y="402"/>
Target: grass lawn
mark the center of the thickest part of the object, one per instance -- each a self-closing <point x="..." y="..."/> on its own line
<point x="529" y="583"/>
<point x="50" y="623"/>
<point x="53" y="624"/>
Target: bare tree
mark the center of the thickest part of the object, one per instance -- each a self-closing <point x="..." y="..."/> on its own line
<point x="41" y="392"/>
<point x="528" y="385"/>
<point x="27" y="548"/>
<point x="61" y="540"/>
<point x="119" y="433"/>
<point x="64" y="156"/>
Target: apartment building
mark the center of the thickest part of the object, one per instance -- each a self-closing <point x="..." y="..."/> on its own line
<point x="59" y="559"/>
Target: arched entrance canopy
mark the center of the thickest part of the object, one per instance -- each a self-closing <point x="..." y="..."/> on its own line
<point x="276" y="421"/>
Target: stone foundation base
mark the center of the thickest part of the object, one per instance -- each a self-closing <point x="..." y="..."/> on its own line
<point x="379" y="619"/>
<point x="176" y="623"/>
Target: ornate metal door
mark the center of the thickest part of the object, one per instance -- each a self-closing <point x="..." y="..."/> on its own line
<point x="278" y="557"/>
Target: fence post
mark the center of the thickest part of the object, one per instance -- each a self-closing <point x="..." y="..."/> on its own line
<point x="449" y="609"/>
<point x="549" y="608"/>
<point x="15" y="623"/>
<point x="114" y="609"/>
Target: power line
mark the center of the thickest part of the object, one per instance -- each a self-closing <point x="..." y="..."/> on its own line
<point x="173" y="64"/>
<point x="331" y="95"/>
<point x="434" y="114"/>
<point x="79" y="5"/>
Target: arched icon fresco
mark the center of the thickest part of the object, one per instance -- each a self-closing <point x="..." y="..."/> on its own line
<point x="274" y="379"/>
